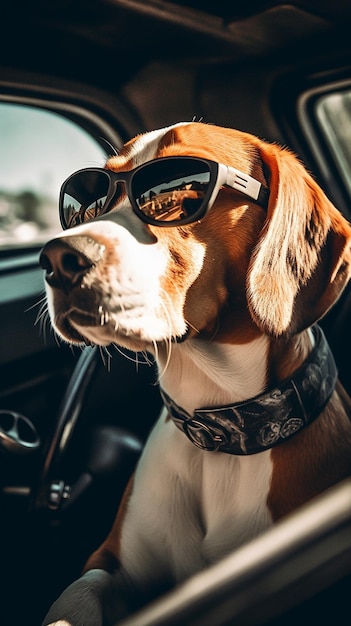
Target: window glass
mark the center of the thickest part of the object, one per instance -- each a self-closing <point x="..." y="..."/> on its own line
<point x="333" y="113"/>
<point x="38" y="150"/>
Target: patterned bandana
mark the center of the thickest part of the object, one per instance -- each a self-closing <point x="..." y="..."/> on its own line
<point x="268" y="419"/>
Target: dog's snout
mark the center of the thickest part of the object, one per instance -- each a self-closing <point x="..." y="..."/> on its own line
<point x="67" y="260"/>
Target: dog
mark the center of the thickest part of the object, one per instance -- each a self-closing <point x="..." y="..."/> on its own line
<point x="217" y="253"/>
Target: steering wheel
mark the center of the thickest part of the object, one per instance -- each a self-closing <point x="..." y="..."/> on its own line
<point x="17" y="433"/>
<point x="117" y="450"/>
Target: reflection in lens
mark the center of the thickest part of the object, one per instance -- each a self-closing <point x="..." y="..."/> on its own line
<point x="84" y="197"/>
<point x="170" y="207"/>
<point x="175" y="199"/>
<point x="76" y="213"/>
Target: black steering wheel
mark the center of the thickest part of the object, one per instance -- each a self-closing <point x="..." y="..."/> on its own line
<point x="17" y="433"/>
<point x="116" y="450"/>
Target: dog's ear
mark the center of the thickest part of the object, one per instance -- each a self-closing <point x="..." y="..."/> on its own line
<point x="303" y="259"/>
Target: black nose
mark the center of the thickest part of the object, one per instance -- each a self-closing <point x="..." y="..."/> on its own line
<point x="67" y="260"/>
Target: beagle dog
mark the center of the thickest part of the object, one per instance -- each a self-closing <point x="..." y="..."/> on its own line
<point x="217" y="253"/>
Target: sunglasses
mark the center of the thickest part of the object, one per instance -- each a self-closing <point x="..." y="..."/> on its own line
<point x="169" y="191"/>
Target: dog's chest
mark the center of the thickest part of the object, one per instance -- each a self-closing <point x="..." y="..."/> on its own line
<point x="189" y="507"/>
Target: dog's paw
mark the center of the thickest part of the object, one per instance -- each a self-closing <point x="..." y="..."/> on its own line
<point x="81" y="604"/>
<point x="93" y="600"/>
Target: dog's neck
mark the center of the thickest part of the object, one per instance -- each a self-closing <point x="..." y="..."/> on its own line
<point x="202" y="373"/>
<point x="248" y="426"/>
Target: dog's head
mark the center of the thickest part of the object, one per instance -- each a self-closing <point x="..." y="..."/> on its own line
<point x="242" y="268"/>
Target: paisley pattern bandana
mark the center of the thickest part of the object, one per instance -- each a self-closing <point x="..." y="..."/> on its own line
<point x="268" y="419"/>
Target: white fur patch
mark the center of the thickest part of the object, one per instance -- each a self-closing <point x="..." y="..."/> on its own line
<point x="144" y="148"/>
<point x="201" y="373"/>
<point x="189" y="508"/>
<point x="128" y="283"/>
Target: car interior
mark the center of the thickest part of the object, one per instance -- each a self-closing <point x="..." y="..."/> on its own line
<point x="77" y="80"/>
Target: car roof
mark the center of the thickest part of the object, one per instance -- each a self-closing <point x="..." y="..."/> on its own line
<point x="140" y="32"/>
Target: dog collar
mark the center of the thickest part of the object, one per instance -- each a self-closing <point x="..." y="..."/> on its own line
<point x="268" y="419"/>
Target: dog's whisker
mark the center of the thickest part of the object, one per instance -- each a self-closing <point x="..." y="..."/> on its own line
<point x="162" y="372"/>
<point x="43" y="309"/>
<point x="42" y="318"/>
<point x="147" y="359"/>
<point x="171" y="338"/>
<point x="42" y="315"/>
<point x="155" y="350"/>
<point x="129" y="357"/>
<point x="106" y="357"/>
<point x="102" y="355"/>
<point x="57" y="340"/>
<point x="192" y="326"/>
<point x="41" y="302"/>
<point x="44" y="324"/>
<point x="101" y="352"/>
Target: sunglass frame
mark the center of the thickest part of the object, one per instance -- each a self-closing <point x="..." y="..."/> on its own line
<point x="220" y="175"/>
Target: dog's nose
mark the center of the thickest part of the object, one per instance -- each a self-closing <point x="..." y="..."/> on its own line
<point x="67" y="260"/>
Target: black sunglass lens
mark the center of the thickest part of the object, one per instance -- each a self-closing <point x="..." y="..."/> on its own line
<point x="83" y="197"/>
<point x="171" y="191"/>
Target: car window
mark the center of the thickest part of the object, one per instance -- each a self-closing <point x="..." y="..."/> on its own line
<point x="333" y="113"/>
<point x="38" y="150"/>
